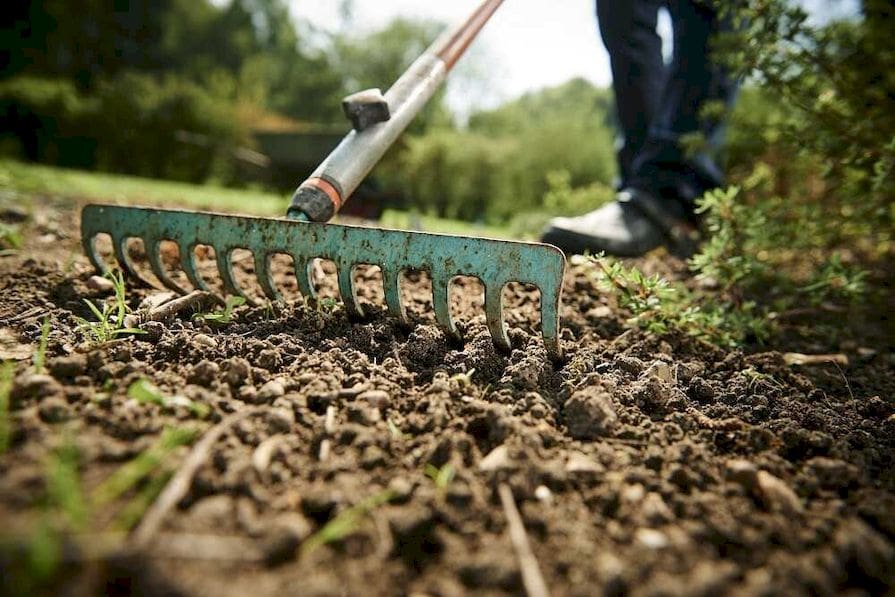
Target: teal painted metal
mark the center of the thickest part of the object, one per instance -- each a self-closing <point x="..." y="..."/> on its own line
<point x="494" y="262"/>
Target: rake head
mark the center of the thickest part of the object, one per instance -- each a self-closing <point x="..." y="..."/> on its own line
<point x="494" y="262"/>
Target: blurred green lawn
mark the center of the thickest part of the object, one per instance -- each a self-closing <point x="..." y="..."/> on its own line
<point x="34" y="179"/>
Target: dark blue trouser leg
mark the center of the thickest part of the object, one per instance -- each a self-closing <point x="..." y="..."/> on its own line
<point x="628" y="29"/>
<point x="662" y="165"/>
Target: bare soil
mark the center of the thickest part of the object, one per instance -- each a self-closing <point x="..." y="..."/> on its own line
<point x="641" y="465"/>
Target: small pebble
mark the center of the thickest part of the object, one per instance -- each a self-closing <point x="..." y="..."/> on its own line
<point x="34" y="385"/>
<point x="100" y="284"/>
<point x="205" y="341"/>
<point x="204" y="373"/>
<point x="239" y="372"/>
<point x="271" y="391"/>
<point x="54" y="410"/>
<point x="580" y="464"/>
<point x="69" y="366"/>
<point x="544" y="495"/>
<point x="651" y="538"/>
<point x="376" y="398"/>
<point x="497" y="459"/>
<point x="660" y="370"/>
<point x="775" y="494"/>
<point x="280" y="420"/>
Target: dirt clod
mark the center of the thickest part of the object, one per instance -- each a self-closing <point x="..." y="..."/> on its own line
<point x="100" y="284"/>
<point x="589" y="413"/>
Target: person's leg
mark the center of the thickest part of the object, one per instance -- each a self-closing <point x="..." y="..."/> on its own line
<point x="628" y="29"/>
<point x="665" y="166"/>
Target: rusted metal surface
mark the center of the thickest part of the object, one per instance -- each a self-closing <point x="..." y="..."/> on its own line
<point x="494" y="262"/>
<point x="304" y="237"/>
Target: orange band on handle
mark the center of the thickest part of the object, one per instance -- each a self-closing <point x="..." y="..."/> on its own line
<point x="327" y="187"/>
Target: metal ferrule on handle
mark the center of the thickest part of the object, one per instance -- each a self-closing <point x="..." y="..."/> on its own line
<point x="319" y="197"/>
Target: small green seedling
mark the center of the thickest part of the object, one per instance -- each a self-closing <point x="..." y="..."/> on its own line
<point x="10" y="238"/>
<point x="345" y="523"/>
<point x="128" y="475"/>
<point x="395" y="431"/>
<point x="225" y="316"/>
<point x="145" y="391"/>
<point x="6" y="373"/>
<point x="327" y="305"/>
<point x="442" y="477"/>
<point x="40" y="355"/>
<point x="109" y="322"/>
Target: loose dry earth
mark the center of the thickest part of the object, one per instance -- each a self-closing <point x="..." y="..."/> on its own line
<point x="641" y="465"/>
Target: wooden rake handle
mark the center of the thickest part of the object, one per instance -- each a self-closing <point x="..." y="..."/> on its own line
<point x="380" y="119"/>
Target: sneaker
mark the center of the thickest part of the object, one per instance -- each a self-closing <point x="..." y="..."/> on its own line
<point x="632" y="225"/>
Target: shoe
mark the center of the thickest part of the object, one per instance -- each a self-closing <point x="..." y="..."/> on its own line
<point x="632" y="225"/>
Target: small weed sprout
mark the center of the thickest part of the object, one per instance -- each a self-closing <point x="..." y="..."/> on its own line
<point x="39" y="358"/>
<point x="442" y="477"/>
<point x="226" y="315"/>
<point x="395" y="431"/>
<point x="327" y="305"/>
<point x="345" y="523"/>
<point x="6" y="374"/>
<point x="109" y="322"/>
<point x="10" y="239"/>
<point x="145" y="391"/>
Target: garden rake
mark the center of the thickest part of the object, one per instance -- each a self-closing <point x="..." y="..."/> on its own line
<point x="377" y="121"/>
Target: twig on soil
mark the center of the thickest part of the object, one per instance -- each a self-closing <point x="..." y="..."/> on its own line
<point x="797" y="358"/>
<point x="532" y="579"/>
<point x="172" y="308"/>
<point x="845" y="379"/>
<point x="329" y="427"/>
<point x="180" y="483"/>
<point x="29" y="314"/>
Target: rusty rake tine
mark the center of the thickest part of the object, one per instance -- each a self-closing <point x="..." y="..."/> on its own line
<point x="265" y="278"/>
<point x="154" y="253"/>
<point x="119" y="244"/>
<point x="88" y="241"/>
<point x="550" y="302"/>
<point x="303" y="276"/>
<point x="188" y="263"/>
<point x="348" y="290"/>
<point x="225" y="268"/>
<point x="441" y="286"/>
<point x="391" y="284"/>
<point x="494" y="316"/>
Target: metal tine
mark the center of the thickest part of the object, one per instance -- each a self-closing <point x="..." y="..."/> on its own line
<point x="188" y="263"/>
<point x="550" y="302"/>
<point x="225" y="267"/>
<point x="89" y="242"/>
<point x="303" y="269"/>
<point x="441" y="288"/>
<point x="265" y="277"/>
<point x="348" y="290"/>
<point x="154" y="253"/>
<point x="494" y="316"/>
<point x="119" y="244"/>
<point x="391" y="284"/>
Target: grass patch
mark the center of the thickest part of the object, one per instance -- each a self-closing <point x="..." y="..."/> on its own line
<point x="128" y="475"/>
<point x="144" y="391"/>
<point x="117" y="188"/>
<point x="134" y="190"/>
<point x="403" y="220"/>
<point x="224" y="316"/>
<point x="109" y="322"/>
<point x="345" y="523"/>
